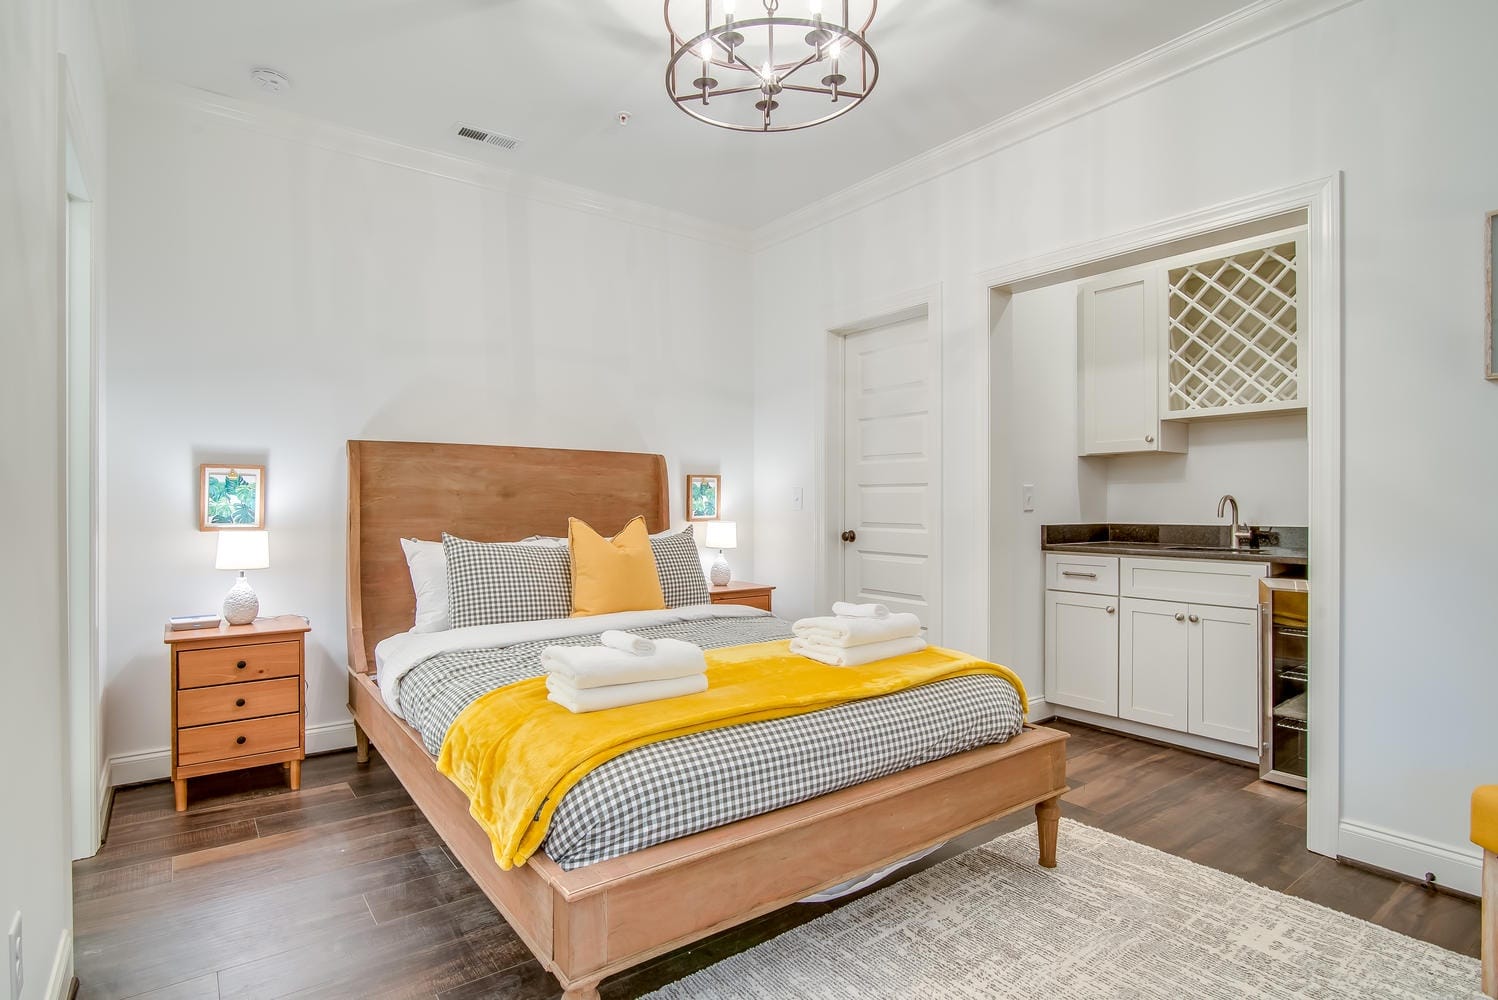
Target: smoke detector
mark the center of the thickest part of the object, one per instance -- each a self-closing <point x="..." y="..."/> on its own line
<point x="270" y="80"/>
<point x="485" y="135"/>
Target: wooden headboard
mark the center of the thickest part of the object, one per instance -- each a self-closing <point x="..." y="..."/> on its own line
<point x="404" y="489"/>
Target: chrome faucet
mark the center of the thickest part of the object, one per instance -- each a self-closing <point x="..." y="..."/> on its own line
<point x="1242" y="533"/>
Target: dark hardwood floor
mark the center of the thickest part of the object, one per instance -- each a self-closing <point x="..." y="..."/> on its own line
<point x="343" y="890"/>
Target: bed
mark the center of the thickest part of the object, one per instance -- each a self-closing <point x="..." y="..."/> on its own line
<point x="585" y="923"/>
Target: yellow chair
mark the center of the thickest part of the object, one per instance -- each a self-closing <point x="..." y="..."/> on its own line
<point x="1485" y="835"/>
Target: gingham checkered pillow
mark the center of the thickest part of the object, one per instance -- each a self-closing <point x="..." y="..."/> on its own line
<point x="489" y="583"/>
<point x="680" y="568"/>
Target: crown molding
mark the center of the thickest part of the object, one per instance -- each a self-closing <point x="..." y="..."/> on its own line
<point x="1238" y="30"/>
<point x="293" y="127"/>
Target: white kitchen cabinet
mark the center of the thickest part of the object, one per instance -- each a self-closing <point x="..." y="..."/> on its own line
<point x="1081" y="651"/>
<point x="1154" y="652"/>
<point x="1119" y="331"/>
<point x="1224" y="673"/>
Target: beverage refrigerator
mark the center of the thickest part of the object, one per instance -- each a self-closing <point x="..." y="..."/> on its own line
<point x="1283" y="611"/>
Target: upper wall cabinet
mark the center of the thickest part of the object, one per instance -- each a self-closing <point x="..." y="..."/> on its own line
<point x="1209" y="334"/>
<point x="1119" y="361"/>
<point x="1232" y="338"/>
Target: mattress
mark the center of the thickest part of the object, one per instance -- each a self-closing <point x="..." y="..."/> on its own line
<point x="692" y="783"/>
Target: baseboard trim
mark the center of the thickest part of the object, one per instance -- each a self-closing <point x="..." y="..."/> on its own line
<point x="154" y="765"/>
<point x="1040" y="711"/>
<point x="1453" y="868"/>
<point x="60" y="983"/>
<point x="1167" y="737"/>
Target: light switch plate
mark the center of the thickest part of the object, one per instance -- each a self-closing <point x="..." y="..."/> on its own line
<point x="1027" y="497"/>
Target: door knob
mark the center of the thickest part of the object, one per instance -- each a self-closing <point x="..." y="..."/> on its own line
<point x="1180" y="617"/>
<point x="850" y="535"/>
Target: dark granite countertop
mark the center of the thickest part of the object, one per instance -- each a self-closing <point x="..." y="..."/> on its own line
<point x="1174" y="541"/>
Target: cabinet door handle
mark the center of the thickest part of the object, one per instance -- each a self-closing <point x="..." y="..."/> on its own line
<point x="240" y="665"/>
<point x="1149" y="439"/>
<point x="1110" y="609"/>
<point x="240" y="741"/>
<point x="1088" y="576"/>
<point x="1180" y="617"/>
<point x="239" y="703"/>
<point x="1192" y="619"/>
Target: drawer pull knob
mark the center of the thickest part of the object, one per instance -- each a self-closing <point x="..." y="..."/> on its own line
<point x="1110" y="609"/>
<point x="1193" y="619"/>
<point x="1180" y="617"/>
<point x="1149" y="439"/>
<point x="239" y="703"/>
<point x="240" y="740"/>
<point x="241" y="665"/>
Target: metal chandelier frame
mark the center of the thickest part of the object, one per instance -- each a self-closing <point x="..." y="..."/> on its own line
<point x="814" y="42"/>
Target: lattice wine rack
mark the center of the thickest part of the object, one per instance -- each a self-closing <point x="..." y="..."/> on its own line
<point x="1233" y="333"/>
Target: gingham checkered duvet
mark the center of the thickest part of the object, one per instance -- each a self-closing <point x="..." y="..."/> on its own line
<point x="678" y="787"/>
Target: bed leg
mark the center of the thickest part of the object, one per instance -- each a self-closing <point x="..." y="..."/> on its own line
<point x="1048" y="822"/>
<point x="582" y="991"/>
<point x="361" y="744"/>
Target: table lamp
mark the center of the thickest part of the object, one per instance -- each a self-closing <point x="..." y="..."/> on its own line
<point x="242" y="550"/>
<point x="720" y="535"/>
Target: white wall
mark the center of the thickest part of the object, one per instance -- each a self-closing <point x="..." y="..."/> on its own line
<point x="1388" y="92"/>
<point x="34" y="874"/>
<point x="275" y="297"/>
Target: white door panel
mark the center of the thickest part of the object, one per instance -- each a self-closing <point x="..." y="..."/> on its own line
<point x="891" y="448"/>
<point x="1081" y="651"/>
<point x="1225" y="674"/>
<point x="1153" y="647"/>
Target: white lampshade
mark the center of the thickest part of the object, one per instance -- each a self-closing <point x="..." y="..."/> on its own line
<point x="243" y="550"/>
<point x="721" y="535"/>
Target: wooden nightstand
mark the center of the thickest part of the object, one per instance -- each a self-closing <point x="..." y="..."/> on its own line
<point x="239" y="699"/>
<point x="756" y="595"/>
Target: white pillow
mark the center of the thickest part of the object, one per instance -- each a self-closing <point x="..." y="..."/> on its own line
<point x="428" y="567"/>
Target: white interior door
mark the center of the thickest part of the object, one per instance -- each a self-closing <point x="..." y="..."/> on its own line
<point x="891" y="469"/>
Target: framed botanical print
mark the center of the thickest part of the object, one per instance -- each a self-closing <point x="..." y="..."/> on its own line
<point x="704" y="498"/>
<point x="231" y="496"/>
<point x="1490" y="330"/>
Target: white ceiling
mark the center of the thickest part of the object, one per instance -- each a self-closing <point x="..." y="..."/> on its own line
<point x="557" y="73"/>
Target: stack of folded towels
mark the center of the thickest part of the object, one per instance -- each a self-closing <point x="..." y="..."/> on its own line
<point x="856" y="634"/>
<point x="626" y="670"/>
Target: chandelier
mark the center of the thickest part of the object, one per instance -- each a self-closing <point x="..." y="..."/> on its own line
<point x="775" y="73"/>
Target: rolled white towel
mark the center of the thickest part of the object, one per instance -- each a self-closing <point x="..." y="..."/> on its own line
<point x="599" y="666"/>
<point x="857" y="631"/>
<point x="856" y="656"/>
<point x="627" y="642"/>
<point x="843" y="609"/>
<point x="578" y="700"/>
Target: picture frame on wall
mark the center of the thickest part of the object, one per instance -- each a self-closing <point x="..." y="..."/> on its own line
<point x="704" y="498"/>
<point x="1490" y="330"/>
<point x="231" y="497"/>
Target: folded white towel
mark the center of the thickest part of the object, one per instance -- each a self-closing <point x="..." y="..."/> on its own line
<point x="843" y="609"/>
<point x="628" y="642"/>
<point x="856" y="656"/>
<point x="578" y="700"/>
<point x="857" y="631"/>
<point x="598" y="666"/>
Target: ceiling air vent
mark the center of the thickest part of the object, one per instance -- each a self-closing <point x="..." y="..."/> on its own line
<point x="484" y="135"/>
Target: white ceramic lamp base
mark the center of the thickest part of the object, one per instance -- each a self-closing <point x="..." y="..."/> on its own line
<point x="241" y="605"/>
<point x="719" y="573"/>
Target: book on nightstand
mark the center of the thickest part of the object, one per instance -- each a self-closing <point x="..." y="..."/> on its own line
<point x="183" y="622"/>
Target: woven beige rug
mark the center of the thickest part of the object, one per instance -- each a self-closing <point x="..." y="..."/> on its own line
<point x="1115" y="919"/>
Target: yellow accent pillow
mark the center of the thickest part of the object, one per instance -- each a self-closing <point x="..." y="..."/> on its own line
<point x="615" y="574"/>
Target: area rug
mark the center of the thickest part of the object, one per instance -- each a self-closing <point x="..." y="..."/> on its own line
<point x="1114" y="919"/>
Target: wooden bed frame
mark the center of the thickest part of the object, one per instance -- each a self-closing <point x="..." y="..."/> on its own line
<point x="589" y="923"/>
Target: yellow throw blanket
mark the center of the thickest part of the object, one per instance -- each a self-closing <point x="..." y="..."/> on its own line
<point x="515" y="754"/>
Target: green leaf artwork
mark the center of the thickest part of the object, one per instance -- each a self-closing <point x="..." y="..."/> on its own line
<point x="233" y="497"/>
<point x="704" y="498"/>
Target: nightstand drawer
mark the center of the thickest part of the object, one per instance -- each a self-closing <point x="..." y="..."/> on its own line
<point x="761" y="601"/>
<point x="230" y="664"/>
<point x="231" y="702"/>
<point x="238" y="739"/>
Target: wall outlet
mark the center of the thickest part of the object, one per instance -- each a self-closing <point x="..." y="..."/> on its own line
<point x="1027" y="497"/>
<point x="17" y="973"/>
<point x="795" y="498"/>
